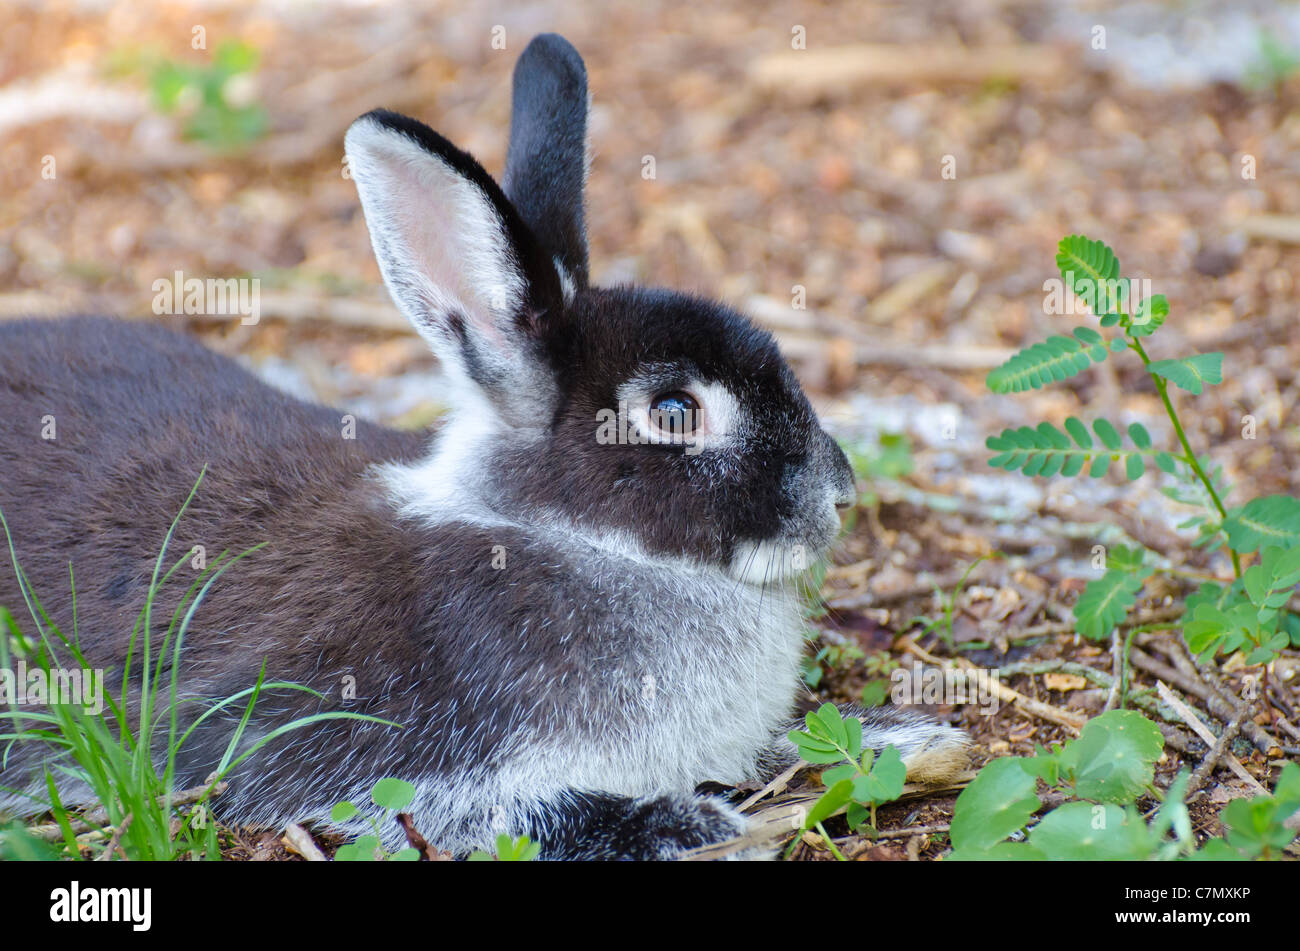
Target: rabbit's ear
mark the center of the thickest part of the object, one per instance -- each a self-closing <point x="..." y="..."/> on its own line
<point x="457" y="259"/>
<point x="546" y="164"/>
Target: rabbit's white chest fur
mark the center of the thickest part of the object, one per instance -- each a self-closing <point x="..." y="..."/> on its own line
<point x="701" y="673"/>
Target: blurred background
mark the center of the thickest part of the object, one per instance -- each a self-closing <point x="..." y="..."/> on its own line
<point x="901" y="170"/>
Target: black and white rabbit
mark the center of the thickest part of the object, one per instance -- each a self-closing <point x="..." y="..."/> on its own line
<point x="575" y="623"/>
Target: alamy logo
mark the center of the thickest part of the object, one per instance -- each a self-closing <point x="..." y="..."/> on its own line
<point x="75" y="903"/>
<point x="932" y="685"/>
<point x="215" y="296"/>
<point x="57" y="686"/>
<point x="1106" y="296"/>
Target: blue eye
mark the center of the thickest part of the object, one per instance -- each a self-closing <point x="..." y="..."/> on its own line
<point x="676" y="413"/>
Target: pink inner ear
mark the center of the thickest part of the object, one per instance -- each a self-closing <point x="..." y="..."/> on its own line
<point x="449" y="238"/>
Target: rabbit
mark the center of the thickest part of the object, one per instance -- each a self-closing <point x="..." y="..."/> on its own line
<point x="576" y="598"/>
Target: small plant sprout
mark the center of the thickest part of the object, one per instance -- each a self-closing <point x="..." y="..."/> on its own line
<point x="216" y="101"/>
<point x="944" y="622"/>
<point x="860" y="780"/>
<point x="391" y="795"/>
<point x="510" y="850"/>
<point x="830" y="657"/>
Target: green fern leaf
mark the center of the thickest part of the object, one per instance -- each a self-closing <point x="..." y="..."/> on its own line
<point x="1056" y="358"/>
<point x="1079" y="432"/>
<point x="1149" y="315"/>
<point x="1052" y="435"/>
<point x="1106" y="433"/>
<point x="1191" y="373"/>
<point x="1091" y="270"/>
<point x="1046" y="451"/>
<point x="1268" y="520"/>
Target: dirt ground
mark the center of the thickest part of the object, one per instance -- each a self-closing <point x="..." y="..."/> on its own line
<point x="911" y="171"/>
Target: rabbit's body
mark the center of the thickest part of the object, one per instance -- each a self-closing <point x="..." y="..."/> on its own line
<point x="604" y="668"/>
<point x="575" y="625"/>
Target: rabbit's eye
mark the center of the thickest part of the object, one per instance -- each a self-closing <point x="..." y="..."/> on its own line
<point x="676" y="413"/>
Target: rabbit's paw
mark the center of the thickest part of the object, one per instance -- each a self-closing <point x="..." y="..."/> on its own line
<point x="587" y="826"/>
<point x="674" y="826"/>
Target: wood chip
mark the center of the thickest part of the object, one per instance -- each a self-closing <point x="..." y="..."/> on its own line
<point x="299" y="841"/>
<point x="1057" y="681"/>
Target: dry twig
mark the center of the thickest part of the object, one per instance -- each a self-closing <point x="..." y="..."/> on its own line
<point x="1218" y="701"/>
<point x="1038" y="708"/>
<point x="1201" y="730"/>
<point x="115" y="843"/>
<point x="419" y="842"/>
<point x="1216" y="752"/>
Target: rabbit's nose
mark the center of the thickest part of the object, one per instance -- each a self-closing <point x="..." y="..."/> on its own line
<point x="846" y="490"/>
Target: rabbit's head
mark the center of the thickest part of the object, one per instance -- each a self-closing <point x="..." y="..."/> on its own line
<point x="657" y="421"/>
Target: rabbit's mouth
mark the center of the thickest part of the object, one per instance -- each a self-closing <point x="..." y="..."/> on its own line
<point x="814" y="491"/>
<point x="788" y="555"/>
